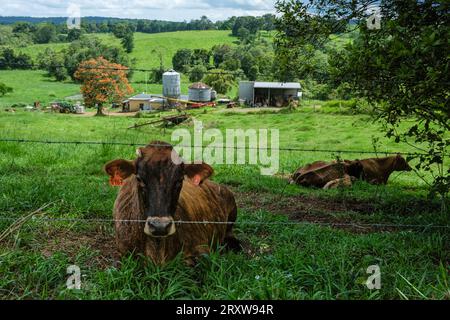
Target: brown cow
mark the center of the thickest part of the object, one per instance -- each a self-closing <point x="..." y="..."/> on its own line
<point x="161" y="190"/>
<point x="378" y="170"/>
<point x="308" y="167"/>
<point x="319" y="173"/>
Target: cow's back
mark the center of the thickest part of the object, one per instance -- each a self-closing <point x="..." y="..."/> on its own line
<point x="320" y="176"/>
<point x="308" y="168"/>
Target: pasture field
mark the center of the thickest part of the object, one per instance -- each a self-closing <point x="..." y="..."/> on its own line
<point x="311" y="244"/>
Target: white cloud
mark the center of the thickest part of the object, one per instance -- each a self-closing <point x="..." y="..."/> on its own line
<point x="176" y="10"/>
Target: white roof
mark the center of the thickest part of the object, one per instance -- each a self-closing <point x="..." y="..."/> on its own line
<point x="277" y="85"/>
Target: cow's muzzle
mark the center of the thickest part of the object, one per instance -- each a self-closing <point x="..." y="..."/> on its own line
<point x="159" y="226"/>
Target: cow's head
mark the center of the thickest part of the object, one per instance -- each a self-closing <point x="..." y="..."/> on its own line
<point x="158" y="172"/>
<point x="400" y="164"/>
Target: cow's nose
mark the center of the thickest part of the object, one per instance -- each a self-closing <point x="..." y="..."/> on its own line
<point x="159" y="226"/>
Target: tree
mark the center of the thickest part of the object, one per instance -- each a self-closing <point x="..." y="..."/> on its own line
<point x="91" y="47"/>
<point x="4" y="89"/>
<point x="23" y="27"/>
<point x="219" y="51"/>
<point x="102" y="82"/>
<point x="243" y="34"/>
<point x="10" y="60"/>
<point x="401" y="68"/>
<point x="53" y="62"/>
<point x="45" y="33"/>
<point x="125" y="32"/>
<point x="220" y="80"/>
<point x="182" y="60"/>
<point x="200" y="56"/>
<point x="73" y="34"/>
<point x="197" y="73"/>
<point x="252" y="24"/>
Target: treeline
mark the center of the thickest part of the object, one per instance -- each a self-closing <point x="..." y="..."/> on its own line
<point x="56" y="28"/>
<point x="22" y="34"/>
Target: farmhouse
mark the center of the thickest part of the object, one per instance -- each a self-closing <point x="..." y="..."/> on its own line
<point x="264" y="94"/>
<point x="143" y="101"/>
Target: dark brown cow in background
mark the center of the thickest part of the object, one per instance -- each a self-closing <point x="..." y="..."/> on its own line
<point x="335" y="174"/>
<point x="161" y="190"/>
<point x="378" y="170"/>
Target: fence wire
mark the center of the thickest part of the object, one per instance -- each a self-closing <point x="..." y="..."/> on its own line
<point x="269" y="223"/>
<point x="236" y="147"/>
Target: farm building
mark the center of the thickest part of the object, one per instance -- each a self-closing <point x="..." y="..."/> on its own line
<point x="143" y="101"/>
<point x="264" y="94"/>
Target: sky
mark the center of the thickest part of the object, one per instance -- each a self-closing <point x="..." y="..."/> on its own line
<point x="173" y="10"/>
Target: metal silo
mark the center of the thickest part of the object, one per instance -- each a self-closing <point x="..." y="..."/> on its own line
<point x="199" y="92"/>
<point x="171" y="84"/>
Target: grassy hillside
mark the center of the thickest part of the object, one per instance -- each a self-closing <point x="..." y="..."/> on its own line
<point x="148" y="45"/>
<point x="31" y="85"/>
<point x="34" y="85"/>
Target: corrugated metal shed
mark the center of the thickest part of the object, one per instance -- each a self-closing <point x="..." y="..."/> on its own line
<point x="277" y="85"/>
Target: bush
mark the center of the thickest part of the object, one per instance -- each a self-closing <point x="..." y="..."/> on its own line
<point x="352" y="106"/>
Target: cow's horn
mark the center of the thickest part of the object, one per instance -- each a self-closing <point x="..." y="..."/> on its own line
<point x="139" y="152"/>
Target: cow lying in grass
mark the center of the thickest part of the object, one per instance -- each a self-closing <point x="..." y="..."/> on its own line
<point x="161" y="190"/>
<point x="335" y="174"/>
<point x="320" y="173"/>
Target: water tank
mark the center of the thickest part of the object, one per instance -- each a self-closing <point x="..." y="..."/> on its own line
<point x="171" y="84"/>
<point x="199" y="92"/>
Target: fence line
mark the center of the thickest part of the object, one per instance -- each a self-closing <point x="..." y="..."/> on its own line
<point x="132" y="144"/>
<point x="361" y="225"/>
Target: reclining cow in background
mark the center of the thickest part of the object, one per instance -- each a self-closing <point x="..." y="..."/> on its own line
<point x="335" y="174"/>
<point x="161" y="190"/>
<point x="318" y="174"/>
<point x="378" y="170"/>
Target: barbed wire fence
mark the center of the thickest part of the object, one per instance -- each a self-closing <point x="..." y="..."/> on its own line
<point x="32" y="217"/>
<point x="235" y="147"/>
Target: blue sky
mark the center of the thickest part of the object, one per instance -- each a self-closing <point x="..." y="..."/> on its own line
<point x="175" y="10"/>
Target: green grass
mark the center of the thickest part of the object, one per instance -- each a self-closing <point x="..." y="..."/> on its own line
<point x="304" y="261"/>
<point x="32" y="85"/>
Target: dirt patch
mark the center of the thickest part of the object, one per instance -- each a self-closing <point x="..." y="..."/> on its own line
<point x="71" y="242"/>
<point x="107" y="113"/>
<point x="311" y="209"/>
<point x="250" y="110"/>
<point x="298" y="204"/>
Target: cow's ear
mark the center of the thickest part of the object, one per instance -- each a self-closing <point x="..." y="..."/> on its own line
<point x="198" y="173"/>
<point x="118" y="170"/>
